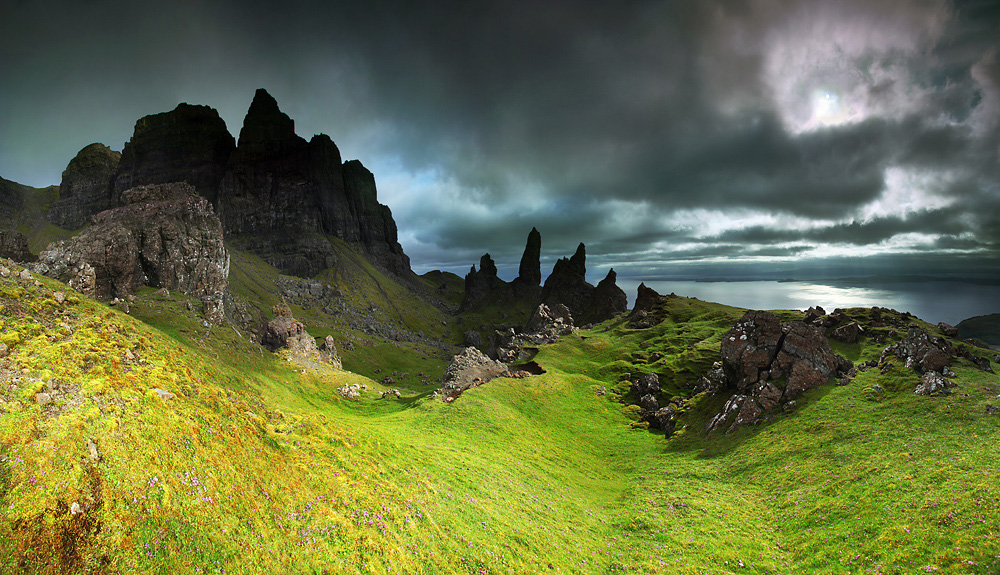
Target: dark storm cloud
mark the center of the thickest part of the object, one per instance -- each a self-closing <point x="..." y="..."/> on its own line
<point x="617" y="124"/>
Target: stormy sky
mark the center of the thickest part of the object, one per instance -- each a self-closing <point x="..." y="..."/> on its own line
<point x="675" y="138"/>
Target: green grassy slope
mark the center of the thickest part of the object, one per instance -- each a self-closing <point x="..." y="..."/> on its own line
<point x="982" y="327"/>
<point x="29" y="218"/>
<point x="369" y="297"/>
<point x="256" y="466"/>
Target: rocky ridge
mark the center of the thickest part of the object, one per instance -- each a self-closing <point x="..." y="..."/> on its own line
<point x="275" y="193"/>
<point x="566" y="285"/>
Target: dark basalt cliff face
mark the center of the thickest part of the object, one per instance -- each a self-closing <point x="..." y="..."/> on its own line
<point x="11" y="200"/>
<point x="275" y="193"/>
<point x="87" y="187"/>
<point x="188" y="144"/>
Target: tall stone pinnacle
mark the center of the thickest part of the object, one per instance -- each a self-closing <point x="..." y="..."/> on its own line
<point x="530" y="272"/>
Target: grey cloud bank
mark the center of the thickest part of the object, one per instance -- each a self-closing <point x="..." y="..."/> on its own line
<point x="674" y="138"/>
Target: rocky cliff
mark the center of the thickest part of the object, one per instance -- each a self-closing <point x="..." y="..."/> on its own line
<point x="87" y="187"/>
<point x="14" y="245"/>
<point x="276" y="194"/>
<point x="188" y="144"/>
<point x="11" y="200"/>
<point x="164" y="236"/>
<point x="567" y="284"/>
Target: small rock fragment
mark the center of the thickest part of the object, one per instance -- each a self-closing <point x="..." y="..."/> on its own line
<point x="92" y="455"/>
<point x="163" y="394"/>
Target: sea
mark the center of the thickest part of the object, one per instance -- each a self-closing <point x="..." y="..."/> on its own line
<point x="932" y="301"/>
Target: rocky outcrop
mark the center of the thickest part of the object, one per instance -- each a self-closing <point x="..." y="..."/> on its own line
<point x="483" y="287"/>
<point x="545" y="325"/>
<point x="165" y="236"/>
<point x="607" y="301"/>
<point x="87" y="187"/>
<point x="188" y="144"/>
<point x="530" y="271"/>
<point x="848" y="333"/>
<point x="568" y="285"/>
<point x="286" y="332"/>
<point x="280" y="192"/>
<point x="648" y="308"/>
<point x="480" y="284"/>
<point x="548" y="321"/>
<point x="769" y="363"/>
<point x="13" y="245"/>
<point x="467" y="370"/>
<point x="930" y="353"/>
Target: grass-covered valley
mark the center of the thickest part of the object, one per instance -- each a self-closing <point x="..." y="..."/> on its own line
<point x="161" y="445"/>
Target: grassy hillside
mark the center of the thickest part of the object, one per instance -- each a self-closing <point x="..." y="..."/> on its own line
<point x="391" y="326"/>
<point x="24" y="207"/>
<point x="258" y="466"/>
<point x="985" y="328"/>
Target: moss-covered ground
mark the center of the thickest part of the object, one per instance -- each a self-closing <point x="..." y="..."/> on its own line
<point x="256" y="466"/>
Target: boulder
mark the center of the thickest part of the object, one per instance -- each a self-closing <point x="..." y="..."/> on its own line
<point x="922" y="351"/>
<point x="648" y="402"/>
<point x="848" y="333"/>
<point x="933" y="383"/>
<point x="164" y="237"/>
<point x="646" y="384"/>
<point x="329" y="351"/>
<point x="468" y="369"/>
<point x="813" y="313"/>
<point x="472" y="338"/>
<point x="504" y="346"/>
<point x="768" y="363"/>
<point x="664" y="419"/>
<point x="87" y="187"/>
<point x="550" y="320"/>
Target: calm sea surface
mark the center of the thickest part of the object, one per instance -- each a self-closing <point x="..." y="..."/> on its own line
<point x="934" y="301"/>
